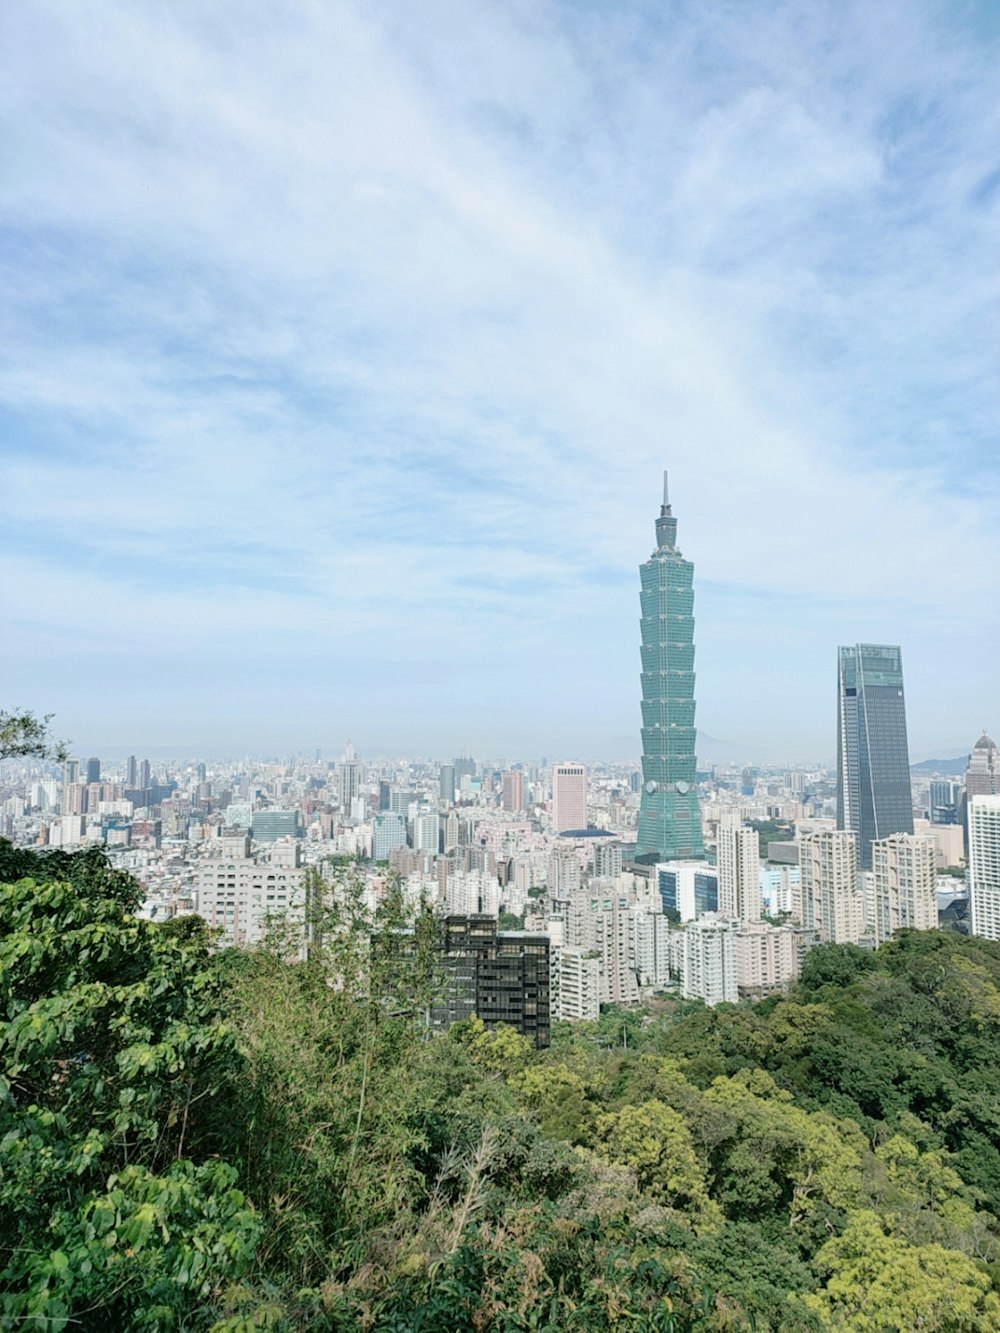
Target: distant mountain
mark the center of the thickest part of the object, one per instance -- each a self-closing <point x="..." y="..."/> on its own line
<point x="948" y="768"/>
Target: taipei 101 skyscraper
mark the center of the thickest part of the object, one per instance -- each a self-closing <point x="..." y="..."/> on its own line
<point x="669" y="817"/>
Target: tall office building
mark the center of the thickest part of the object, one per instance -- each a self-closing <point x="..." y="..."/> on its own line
<point x="982" y="776"/>
<point x="513" y="791"/>
<point x="446" y="783"/>
<point x="569" y="797"/>
<point x="942" y="801"/>
<point x="131" y="771"/>
<point x="388" y="834"/>
<point x="93" y="770"/>
<point x="984" y="865"/>
<point x="739" y="869"/>
<point x="873" y="763"/>
<point x="688" y="889"/>
<point x="669" y="817"/>
<point x="270" y="825"/>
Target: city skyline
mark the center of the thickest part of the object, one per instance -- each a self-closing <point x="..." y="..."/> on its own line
<point x="337" y="378"/>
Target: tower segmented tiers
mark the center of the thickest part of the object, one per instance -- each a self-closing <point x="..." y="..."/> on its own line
<point x="669" y="817"/>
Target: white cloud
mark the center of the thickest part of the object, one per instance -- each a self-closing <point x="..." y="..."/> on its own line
<point x="352" y="328"/>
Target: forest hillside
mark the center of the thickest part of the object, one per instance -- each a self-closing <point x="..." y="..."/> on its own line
<point x="228" y="1141"/>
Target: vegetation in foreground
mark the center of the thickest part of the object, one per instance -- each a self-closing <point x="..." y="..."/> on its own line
<point x="229" y="1141"/>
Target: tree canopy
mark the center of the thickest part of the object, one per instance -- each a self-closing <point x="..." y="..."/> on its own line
<point x="227" y="1140"/>
<point x="23" y="735"/>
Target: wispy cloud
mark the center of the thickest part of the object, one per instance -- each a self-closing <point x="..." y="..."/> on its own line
<point x="345" y="348"/>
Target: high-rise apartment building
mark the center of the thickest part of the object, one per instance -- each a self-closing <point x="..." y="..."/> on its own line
<point x="739" y="869"/>
<point x="832" y="900"/>
<point x="600" y="923"/>
<point x="426" y="831"/>
<point x="669" y="817"/>
<point x="74" y="799"/>
<point x="984" y="866"/>
<point x="708" y="960"/>
<point x="242" y="895"/>
<point x="904" y="884"/>
<point x="512" y="797"/>
<point x="451" y="830"/>
<point x="564" y="874"/>
<point x="569" y="797"/>
<point x="608" y="859"/>
<point x="574" y="978"/>
<point x="874" y="798"/>
<point x="767" y="959"/>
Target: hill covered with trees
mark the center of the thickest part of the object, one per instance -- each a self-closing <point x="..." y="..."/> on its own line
<point x="228" y="1141"/>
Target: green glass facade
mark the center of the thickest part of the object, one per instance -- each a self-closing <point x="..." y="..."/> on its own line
<point x="669" y="817"/>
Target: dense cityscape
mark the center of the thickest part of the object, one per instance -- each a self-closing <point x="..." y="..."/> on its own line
<point x="632" y="879"/>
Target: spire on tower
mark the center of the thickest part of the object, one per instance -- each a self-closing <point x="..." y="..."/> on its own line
<point x="666" y="496"/>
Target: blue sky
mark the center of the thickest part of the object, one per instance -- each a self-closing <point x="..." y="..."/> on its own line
<point x="345" y="345"/>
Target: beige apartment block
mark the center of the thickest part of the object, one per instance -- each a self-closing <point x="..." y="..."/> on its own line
<point x="831" y="891"/>
<point x="242" y="897"/>
<point x="904" y="884"/>
<point x="767" y="959"/>
<point x="739" y="869"/>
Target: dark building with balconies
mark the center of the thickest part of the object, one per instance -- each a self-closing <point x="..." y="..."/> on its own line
<point x="500" y="976"/>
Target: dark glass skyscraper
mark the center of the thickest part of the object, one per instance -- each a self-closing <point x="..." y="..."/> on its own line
<point x="873" y="761"/>
<point x="669" y="817"/>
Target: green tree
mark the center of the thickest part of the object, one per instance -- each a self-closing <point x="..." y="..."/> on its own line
<point x="653" y="1140"/>
<point x="115" y="1069"/>
<point x="880" y="1283"/>
<point x="23" y="736"/>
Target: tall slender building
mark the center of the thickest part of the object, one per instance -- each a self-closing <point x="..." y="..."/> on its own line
<point x="904" y="884"/>
<point x="874" y="798"/>
<point x="669" y="817"/>
<point x="513" y="791"/>
<point x="832" y="899"/>
<point x="982" y="776"/>
<point x="738" y="860"/>
<point x="569" y="797"/>
<point x="984" y="865"/>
